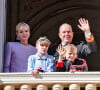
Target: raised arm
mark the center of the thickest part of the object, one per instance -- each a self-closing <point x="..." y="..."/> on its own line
<point x="90" y="47"/>
<point x="61" y="52"/>
<point x="59" y="63"/>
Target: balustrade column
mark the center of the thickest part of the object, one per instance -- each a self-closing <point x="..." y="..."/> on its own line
<point x="74" y="87"/>
<point x="9" y="87"/>
<point x="25" y="87"/>
<point x="90" y="87"/>
<point x="57" y="87"/>
<point x="41" y="87"/>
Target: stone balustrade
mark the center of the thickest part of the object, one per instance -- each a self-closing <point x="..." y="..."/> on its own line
<point x="50" y="80"/>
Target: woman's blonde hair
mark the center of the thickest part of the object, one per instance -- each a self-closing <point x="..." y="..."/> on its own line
<point x="20" y="25"/>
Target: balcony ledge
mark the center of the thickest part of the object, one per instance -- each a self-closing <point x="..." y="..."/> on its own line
<point x="51" y="78"/>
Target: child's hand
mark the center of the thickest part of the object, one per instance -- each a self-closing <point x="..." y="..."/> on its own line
<point x="61" y="52"/>
<point x="36" y="71"/>
<point x="73" y="70"/>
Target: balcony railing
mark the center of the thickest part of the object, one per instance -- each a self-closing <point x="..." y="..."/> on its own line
<point x="53" y="80"/>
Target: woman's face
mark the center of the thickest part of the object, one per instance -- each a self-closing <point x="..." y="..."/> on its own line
<point x="23" y="33"/>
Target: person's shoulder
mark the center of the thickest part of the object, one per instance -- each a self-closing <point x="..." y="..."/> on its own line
<point x="50" y="57"/>
<point x="80" y="43"/>
<point x="83" y="60"/>
<point x="32" y="46"/>
<point x="11" y="43"/>
<point x="80" y="60"/>
<point x="32" y="56"/>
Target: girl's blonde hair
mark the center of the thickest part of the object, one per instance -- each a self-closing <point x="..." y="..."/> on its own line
<point x="20" y="25"/>
<point x="43" y="41"/>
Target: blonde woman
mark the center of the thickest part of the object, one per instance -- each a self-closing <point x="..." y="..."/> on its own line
<point x="17" y="53"/>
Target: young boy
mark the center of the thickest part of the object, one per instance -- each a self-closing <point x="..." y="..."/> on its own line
<point x="41" y="61"/>
<point x="70" y="62"/>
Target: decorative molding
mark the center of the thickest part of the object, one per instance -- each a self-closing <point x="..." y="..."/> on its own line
<point x="29" y="5"/>
<point x="50" y="78"/>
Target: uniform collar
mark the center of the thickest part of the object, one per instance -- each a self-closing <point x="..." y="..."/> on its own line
<point x="41" y="58"/>
<point x="63" y="44"/>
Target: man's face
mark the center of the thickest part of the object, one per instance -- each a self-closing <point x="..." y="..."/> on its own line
<point x="66" y="34"/>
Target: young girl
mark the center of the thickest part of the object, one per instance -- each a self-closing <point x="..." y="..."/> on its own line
<point x="17" y="53"/>
<point x="68" y="60"/>
<point x="41" y="61"/>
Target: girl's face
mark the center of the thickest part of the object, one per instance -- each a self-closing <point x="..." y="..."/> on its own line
<point x="42" y="49"/>
<point x="23" y="33"/>
<point x="71" y="55"/>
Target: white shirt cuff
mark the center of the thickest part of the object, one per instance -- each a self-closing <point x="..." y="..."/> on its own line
<point x="88" y="35"/>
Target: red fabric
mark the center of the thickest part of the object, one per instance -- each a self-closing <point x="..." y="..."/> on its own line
<point x="59" y="64"/>
<point x="80" y="66"/>
<point x="91" y="39"/>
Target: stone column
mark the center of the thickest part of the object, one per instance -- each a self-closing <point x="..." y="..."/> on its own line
<point x="2" y="30"/>
<point x="41" y="87"/>
<point x="90" y="87"/>
<point x="57" y="87"/>
<point x="74" y="87"/>
<point x="25" y="87"/>
<point x="9" y="87"/>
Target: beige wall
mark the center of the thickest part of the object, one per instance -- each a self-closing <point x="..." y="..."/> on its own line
<point x="2" y="30"/>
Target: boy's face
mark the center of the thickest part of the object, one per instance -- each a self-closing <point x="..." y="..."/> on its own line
<point x="71" y="55"/>
<point x="42" y="49"/>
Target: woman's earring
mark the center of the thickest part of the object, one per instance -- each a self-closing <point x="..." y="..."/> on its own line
<point x="17" y="38"/>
